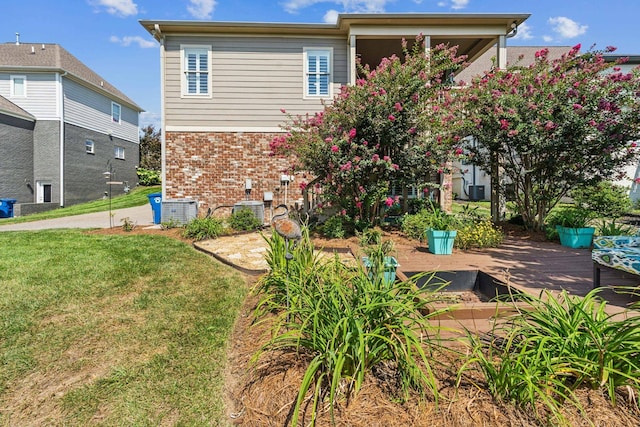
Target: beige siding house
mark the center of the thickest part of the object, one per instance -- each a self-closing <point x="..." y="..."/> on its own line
<point x="224" y="86"/>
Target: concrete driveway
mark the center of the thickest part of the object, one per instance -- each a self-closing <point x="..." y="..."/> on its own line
<point x="140" y="215"/>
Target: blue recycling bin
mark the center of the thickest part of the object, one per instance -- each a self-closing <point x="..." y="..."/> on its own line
<point x="155" y="199"/>
<point x="6" y="208"/>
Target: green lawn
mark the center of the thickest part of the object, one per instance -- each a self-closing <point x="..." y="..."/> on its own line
<point x="112" y="330"/>
<point x="136" y="197"/>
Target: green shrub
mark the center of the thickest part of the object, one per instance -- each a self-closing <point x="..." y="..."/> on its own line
<point x="478" y="234"/>
<point x="147" y="177"/>
<point x="571" y="216"/>
<point x="203" y="228"/>
<point x="346" y="323"/>
<point x="413" y="226"/>
<point x="555" y="344"/>
<point x="334" y="227"/>
<point x="244" y="220"/>
<point x="605" y="199"/>
<point x="613" y="228"/>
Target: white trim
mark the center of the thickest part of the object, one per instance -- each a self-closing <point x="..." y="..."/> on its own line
<point x="461" y="31"/>
<point x="163" y="130"/>
<point x="305" y="82"/>
<point x="183" y="80"/>
<point x="113" y="104"/>
<point x="225" y="129"/>
<point x="13" y="84"/>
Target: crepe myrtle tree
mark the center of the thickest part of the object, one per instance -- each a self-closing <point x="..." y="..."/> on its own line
<point x="554" y="125"/>
<point x="396" y="124"/>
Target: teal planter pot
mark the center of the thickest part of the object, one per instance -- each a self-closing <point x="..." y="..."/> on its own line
<point x="441" y="241"/>
<point x="575" y="237"/>
<point x="390" y="267"/>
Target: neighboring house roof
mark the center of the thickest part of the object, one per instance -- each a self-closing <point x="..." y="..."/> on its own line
<point x="523" y="55"/>
<point x="27" y="57"/>
<point x="9" y="108"/>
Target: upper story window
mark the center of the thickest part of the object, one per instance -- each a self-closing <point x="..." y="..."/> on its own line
<point x="118" y="152"/>
<point x="317" y="72"/>
<point x="89" y="146"/>
<point x="115" y="112"/>
<point x="18" y="86"/>
<point x="196" y="71"/>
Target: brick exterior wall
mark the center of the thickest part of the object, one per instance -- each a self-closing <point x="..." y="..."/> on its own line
<point x="212" y="167"/>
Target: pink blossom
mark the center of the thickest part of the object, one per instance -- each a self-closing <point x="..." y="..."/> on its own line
<point x="397" y="106"/>
<point x="282" y="110"/>
<point x="343" y="212"/>
<point x="303" y="185"/>
<point x="395" y="167"/>
<point x="392" y="117"/>
<point x="346" y="166"/>
<point x="549" y="125"/>
<point x="504" y="124"/>
<point x="358" y="204"/>
<point x="412" y="131"/>
<point x="512" y="132"/>
<point x="577" y="107"/>
<point x="386" y="158"/>
<point x="634" y="144"/>
<point x="383" y="92"/>
<point x="352" y="133"/>
<point x="328" y="140"/>
<point x="388" y="202"/>
<point x="459" y="151"/>
<point x="375" y="158"/>
<point x="334" y="148"/>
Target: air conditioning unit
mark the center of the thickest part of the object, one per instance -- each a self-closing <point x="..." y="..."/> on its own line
<point x="255" y="205"/>
<point x="180" y="211"/>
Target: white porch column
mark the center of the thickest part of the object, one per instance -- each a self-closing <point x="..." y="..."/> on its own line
<point x="352" y="59"/>
<point x="498" y="207"/>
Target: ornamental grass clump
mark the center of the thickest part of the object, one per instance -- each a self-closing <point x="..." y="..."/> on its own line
<point x="556" y="345"/>
<point x="345" y="323"/>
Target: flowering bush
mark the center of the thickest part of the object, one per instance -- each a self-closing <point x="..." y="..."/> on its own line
<point x="478" y="234"/>
<point x="395" y="124"/>
<point x="554" y="125"/>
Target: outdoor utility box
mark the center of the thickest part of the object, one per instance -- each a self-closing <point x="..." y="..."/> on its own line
<point x="155" y="200"/>
<point x="255" y="205"/>
<point x="6" y="208"/>
<point x="476" y="192"/>
<point x="179" y="211"/>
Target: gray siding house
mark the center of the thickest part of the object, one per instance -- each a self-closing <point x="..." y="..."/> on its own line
<point x="224" y="86"/>
<point x="61" y="128"/>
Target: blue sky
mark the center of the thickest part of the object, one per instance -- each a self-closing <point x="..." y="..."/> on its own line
<point x="107" y="37"/>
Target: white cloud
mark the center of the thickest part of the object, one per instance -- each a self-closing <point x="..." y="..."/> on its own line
<point x="459" y="4"/>
<point x="524" y="32"/>
<point x="547" y="39"/>
<point x="454" y="4"/>
<point x="129" y="40"/>
<point x="149" y="118"/>
<point x="117" y="7"/>
<point x="331" y="17"/>
<point x="201" y="9"/>
<point x="361" y="6"/>
<point x="567" y="28"/>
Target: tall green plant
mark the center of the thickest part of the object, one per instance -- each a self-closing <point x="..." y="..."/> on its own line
<point x="347" y="323"/>
<point x="555" y="345"/>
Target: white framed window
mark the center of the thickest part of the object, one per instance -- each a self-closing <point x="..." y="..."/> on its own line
<point x="118" y="152"/>
<point x="115" y="112"/>
<point x="18" y="86"/>
<point x="89" y="146"/>
<point x="196" y="70"/>
<point x="317" y="72"/>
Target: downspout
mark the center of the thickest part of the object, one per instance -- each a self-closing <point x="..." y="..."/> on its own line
<point x="61" y="114"/>
<point x="157" y="33"/>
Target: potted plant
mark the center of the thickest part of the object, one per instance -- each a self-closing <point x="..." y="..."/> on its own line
<point x="378" y="256"/>
<point x="572" y="225"/>
<point x="441" y="231"/>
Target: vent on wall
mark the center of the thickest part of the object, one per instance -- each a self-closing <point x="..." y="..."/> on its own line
<point x="255" y="205"/>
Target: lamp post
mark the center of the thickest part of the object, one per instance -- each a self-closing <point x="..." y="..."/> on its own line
<point x="107" y="176"/>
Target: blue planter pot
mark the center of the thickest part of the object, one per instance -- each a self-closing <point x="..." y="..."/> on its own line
<point x="575" y="237"/>
<point x="441" y="241"/>
<point x="390" y="267"/>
